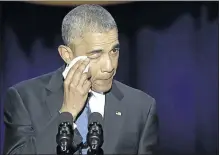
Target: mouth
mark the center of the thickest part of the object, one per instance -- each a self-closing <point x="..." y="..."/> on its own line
<point x="108" y="78"/>
<point x="104" y="81"/>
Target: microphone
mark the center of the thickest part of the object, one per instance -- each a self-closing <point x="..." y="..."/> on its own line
<point x="95" y="134"/>
<point x="64" y="137"/>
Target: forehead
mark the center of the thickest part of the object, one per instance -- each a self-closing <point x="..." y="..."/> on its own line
<point x="101" y="39"/>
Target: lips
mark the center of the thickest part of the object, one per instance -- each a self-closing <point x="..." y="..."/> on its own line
<point x="103" y="82"/>
<point x="107" y="78"/>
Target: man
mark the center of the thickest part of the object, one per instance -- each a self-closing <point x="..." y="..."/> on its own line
<point x="33" y="107"/>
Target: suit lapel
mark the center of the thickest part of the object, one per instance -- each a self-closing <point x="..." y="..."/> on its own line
<point x="113" y="117"/>
<point x="54" y="89"/>
<point x="54" y="101"/>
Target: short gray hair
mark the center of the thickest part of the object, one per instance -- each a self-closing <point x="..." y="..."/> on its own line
<point x="86" y="18"/>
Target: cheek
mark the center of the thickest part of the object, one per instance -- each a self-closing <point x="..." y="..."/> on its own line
<point x="94" y="68"/>
<point x="95" y="65"/>
<point x="115" y="62"/>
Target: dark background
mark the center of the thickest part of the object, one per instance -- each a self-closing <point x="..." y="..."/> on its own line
<point x="168" y="49"/>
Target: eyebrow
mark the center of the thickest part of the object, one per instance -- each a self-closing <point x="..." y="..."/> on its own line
<point x="116" y="46"/>
<point x="95" y="51"/>
<point x="101" y="50"/>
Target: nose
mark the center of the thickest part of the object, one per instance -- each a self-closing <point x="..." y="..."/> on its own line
<point x="107" y="66"/>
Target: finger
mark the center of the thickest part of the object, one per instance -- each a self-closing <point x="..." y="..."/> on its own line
<point x="89" y="75"/>
<point x="87" y="86"/>
<point x="79" y="71"/>
<point x="83" y="79"/>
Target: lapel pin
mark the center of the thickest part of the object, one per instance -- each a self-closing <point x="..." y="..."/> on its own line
<point x="118" y="113"/>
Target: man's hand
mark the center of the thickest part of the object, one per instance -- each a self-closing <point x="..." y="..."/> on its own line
<point x="76" y="88"/>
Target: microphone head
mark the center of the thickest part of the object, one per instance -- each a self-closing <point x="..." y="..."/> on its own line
<point x="65" y="117"/>
<point x="95" y="117"/>
<point x="64" y="137"/>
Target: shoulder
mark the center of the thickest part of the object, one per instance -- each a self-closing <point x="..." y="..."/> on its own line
<point x="30" y="87"/>
<point x="34" y="83"/>
<point x="25" y="94"/>
<point x="135" y="96"/>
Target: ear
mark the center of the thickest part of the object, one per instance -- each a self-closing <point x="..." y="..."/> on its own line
<point x="66" y="53"/>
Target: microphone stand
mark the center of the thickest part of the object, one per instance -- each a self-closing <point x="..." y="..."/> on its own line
<point x="99" y="151"/>
<point x="64" y="150"/>
<point x="95" y="139"/>
<point x="68" y="139"/>
<point x="64" y="139"/>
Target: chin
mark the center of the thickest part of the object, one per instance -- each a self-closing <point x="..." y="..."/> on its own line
<point x="101" y="88"/>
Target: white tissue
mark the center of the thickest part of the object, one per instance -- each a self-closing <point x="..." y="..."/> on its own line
<point x="65" y="72"/>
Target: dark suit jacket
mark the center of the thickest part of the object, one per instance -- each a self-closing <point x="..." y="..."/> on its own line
<point x="31" y="115"/>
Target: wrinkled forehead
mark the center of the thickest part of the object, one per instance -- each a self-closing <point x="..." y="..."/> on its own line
<point x="101" y="39"/>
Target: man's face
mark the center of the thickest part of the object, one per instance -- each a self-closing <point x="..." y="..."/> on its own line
<point x="103" y="51"/>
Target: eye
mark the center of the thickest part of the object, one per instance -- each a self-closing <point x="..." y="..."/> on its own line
<point x="115" y="50"/>
<point x="95" y="55"/>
